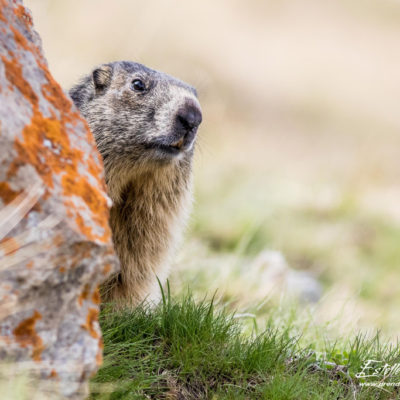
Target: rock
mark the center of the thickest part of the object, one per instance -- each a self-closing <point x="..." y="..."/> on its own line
<point x="55" y="242"/>
<point x="274" y="275"/>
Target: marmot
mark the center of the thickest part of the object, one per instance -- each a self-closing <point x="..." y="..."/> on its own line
<point x="144" y="123"/>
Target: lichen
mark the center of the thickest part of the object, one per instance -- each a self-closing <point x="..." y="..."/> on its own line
<point x="60" y="158"/>
<point x="91" y="322"/>
<point x="26" y="335"/>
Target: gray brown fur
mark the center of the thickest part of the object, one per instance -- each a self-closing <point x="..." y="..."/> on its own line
<point x="146" y="139"/>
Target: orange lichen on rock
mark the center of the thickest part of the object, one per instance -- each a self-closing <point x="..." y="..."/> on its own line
<point x="54" y="94"/>
<point x="25" y="334"/>
<point x="2" y="5"/>
<point x="91" y="320"/>
<point x="59" y="157"/>
<point x="52" y="174"/>
<point x="53" y="373"/>
<point x="84" y="295"/>
<point x="45" y="160"/>
<point x="96" y="296"/>
<point x="7" y="194"/>
<point x="87" y="230"/>
<point x="23" y="15"/>
<point x="107" y="269"/>
<point x="75" y="185"/>
<point x="9" y="246"/>
<point x="20" y="39"/>
<point x="15" y="77"/>
<point x="99" y="355"/>
<point x="2" y="17"/>
<point x="94" y="168"/>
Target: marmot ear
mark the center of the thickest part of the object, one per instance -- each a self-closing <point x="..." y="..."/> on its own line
<point x="102" y="78"/>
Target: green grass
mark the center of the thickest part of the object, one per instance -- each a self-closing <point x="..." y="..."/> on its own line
<point x="184" y="349"/>
<point x="326" y="229"/>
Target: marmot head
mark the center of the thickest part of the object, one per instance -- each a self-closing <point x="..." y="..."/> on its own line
<point x="140" y="118"/>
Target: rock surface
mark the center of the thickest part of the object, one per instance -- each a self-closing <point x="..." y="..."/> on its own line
<point x="55" y="242"/>
<point x="275" y="276"/>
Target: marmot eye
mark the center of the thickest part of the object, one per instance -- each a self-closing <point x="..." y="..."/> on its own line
<point x="138" y="85"/>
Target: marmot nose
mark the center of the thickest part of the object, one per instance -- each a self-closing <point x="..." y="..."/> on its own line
<point x="189" y="116"/>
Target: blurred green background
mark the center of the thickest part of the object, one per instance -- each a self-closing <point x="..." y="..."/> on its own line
<point x="297" y="169"/>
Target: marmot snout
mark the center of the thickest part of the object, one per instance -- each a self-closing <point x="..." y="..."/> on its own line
<point x="144" y="123"/>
